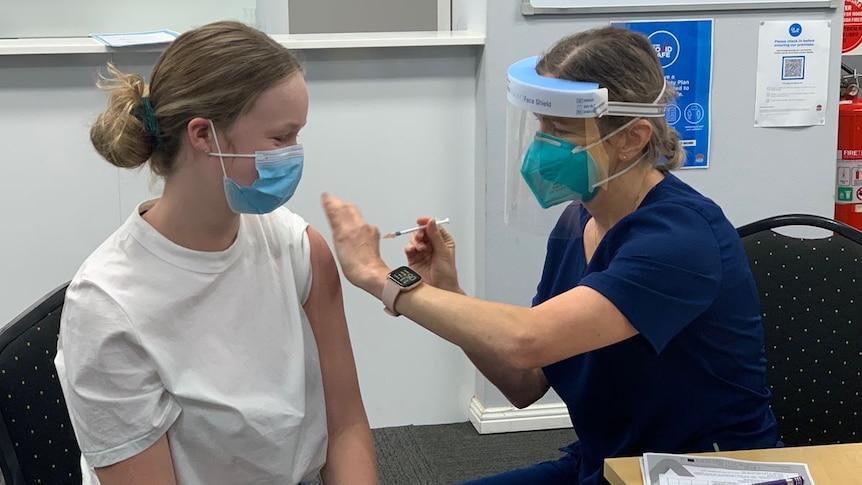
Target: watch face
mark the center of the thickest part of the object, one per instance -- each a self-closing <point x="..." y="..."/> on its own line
<point x="405" y="276"/>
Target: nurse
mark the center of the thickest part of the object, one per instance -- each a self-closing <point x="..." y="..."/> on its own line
<point x="646" y="319"/>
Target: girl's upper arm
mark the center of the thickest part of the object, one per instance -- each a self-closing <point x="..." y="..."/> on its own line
<point x="325" y="310"/>
<point x="350" y="454"/>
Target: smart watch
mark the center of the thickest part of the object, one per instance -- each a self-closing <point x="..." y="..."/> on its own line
<point x="398" y="281"/>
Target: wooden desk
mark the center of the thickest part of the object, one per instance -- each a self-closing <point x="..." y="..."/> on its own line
<point x="829" y="464"/>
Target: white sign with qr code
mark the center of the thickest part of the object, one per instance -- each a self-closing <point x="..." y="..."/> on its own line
<point x="792" y="73"/>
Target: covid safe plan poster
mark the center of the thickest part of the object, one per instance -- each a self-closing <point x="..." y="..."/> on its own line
<point x="684" y="49"/>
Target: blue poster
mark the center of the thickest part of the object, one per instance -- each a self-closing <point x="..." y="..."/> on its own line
<point x="684" y="48"/>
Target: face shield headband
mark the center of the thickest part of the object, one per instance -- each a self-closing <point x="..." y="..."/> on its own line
<point x="530" y="91"/>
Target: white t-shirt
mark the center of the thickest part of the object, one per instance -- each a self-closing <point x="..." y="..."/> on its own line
<point x="212" y="348"/>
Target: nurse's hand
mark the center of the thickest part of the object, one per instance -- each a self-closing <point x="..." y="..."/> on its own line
<point x="357" y="245"/>
<point x="431" y="252"/>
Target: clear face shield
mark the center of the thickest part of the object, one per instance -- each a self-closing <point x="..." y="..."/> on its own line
<point x="555" y="151"/>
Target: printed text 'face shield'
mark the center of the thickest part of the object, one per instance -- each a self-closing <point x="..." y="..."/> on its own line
<point x="555" y="151"/>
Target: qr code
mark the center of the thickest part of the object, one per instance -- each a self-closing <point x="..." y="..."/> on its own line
<point x="793" y="67"/>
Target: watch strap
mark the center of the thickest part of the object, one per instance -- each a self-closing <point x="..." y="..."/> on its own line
<point x="391" y="290"/>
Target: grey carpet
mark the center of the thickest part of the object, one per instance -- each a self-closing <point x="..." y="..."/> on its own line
<point x="401" y="457"/>
<point x="452" y="453"/>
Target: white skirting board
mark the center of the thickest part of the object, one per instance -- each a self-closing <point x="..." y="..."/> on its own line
<point x="509" y="419"/>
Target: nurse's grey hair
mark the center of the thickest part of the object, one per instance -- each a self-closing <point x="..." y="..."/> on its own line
<point x="216" y="71"/>
<point x="624" y="62"/>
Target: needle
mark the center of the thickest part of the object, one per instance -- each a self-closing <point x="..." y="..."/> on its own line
<point x="412" y="229"/>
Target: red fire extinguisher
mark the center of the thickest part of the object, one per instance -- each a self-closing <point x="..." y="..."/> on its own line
<point x="848" y="184"/>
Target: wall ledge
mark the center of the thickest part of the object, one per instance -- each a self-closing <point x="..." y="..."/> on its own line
<point x="510" y="419"/>
<point x="87" y="45"/>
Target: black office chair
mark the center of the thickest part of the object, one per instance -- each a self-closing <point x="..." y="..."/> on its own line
<point x="812" y="319"/>
<point x="36" y="437"/>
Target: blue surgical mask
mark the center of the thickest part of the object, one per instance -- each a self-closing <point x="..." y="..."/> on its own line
<point x="557" y="170"/>
<point x="278" y="173"/>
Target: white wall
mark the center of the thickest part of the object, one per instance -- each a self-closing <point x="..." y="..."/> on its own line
<point x="755" y="172"/>
<point x="390" y="129"/>
<point x="59" y="18"/>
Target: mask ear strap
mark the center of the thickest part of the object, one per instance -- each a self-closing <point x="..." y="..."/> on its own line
<point x="218" y="147"/>
<point x="620" y="173"/>
<point x="621" y="128"/>
<point x="661" y="94"/>
<point x="604" y="138"/>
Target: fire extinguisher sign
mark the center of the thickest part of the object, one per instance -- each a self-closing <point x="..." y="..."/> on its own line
<point x="852" y="43"/>
<point x="848" y="187"/>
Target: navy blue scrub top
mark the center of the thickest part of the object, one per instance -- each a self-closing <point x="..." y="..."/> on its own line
<point x="695" y="375"/>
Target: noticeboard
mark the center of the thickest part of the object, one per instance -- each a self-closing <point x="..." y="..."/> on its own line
<point x="543" y="7"/>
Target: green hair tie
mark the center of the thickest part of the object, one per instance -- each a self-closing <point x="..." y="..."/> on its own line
<point x="146" y="114"/>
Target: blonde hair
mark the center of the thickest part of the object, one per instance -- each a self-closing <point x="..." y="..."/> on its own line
<point x="625" y="63"/>
<point x="216" y="71"/>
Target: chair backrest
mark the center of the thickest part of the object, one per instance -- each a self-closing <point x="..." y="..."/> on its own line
<point x="36" y="437"/>
<point x="812" y="318"/>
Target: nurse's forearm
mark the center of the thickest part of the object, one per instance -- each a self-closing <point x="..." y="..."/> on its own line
<point x="481" y="328"/>
<point x="521" y="387"/>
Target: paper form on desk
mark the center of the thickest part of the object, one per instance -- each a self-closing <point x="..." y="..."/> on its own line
<point x="125" y="39"/>
<point x="671" y="469"/>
